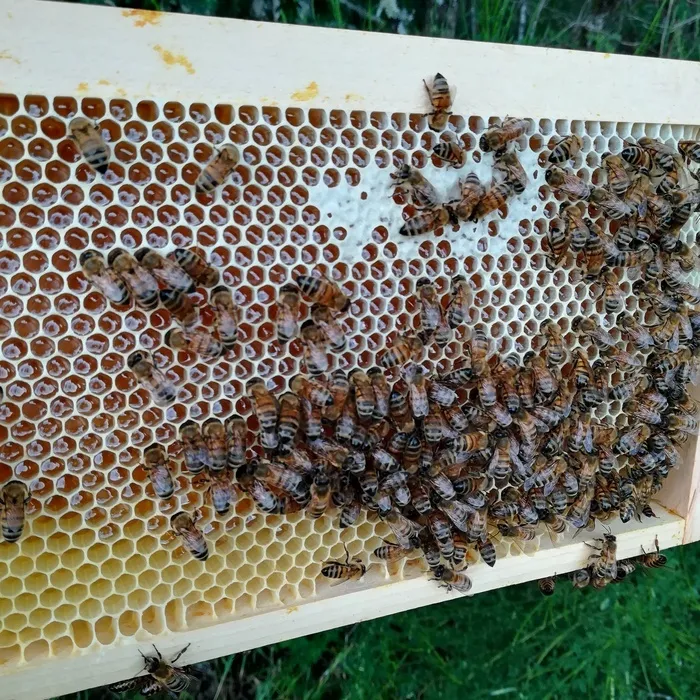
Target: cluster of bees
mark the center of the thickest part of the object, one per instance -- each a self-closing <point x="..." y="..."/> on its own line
<point x="148" y="279"/>
<point x="453" y="463"/>
<point x="605" y="567"/>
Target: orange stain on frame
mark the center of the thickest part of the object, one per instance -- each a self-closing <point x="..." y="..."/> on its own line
<point x="171" y="59"/>
<point x="143" y="17"/>
<point x="308" y="93"/>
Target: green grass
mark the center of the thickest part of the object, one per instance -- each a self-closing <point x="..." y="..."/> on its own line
<point x="668" y="28"/>
<point x="635" y="641"/>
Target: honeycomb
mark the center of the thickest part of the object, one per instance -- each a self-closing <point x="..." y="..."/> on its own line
<point x="97" y="562"/>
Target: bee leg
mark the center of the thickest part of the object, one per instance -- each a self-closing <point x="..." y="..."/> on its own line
<point x="347" y="555"/>
<point x="427" y="89"/>
<point x="180" y="653"/>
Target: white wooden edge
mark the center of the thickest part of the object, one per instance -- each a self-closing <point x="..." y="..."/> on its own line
<point x="335" y="607"/>
<point x="64" y="49"/>
<point x="681" y="490"/>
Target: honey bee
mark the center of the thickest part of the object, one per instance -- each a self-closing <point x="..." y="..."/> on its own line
<point x="478" y="348"/>
<point x="576" y="227"/>
<point x="592" y="330"/>
<point x="323" y="318"/>
<point x="315" y="348"/>
<point x="637" y="333"/>
<point x="546" y="384"/>
<point x="266" y="410"/>
<point x="162" y="677"/>
<point x="264" y="499"/>
<point x="451" y="152"/>
<point x="180" y="307"/>
<point x="415" y="377"/>
<point x="404" y="349"/>
<point x="618" y="177"/>
<point x="156" y="466"/>
<point x="682" y="423"/>
<point x="214" y="435"/>
<point x="227" y="314"/>
<point x="623" y="359"/>
<point x="512" y="171"/>
<point x="487" y="551"/>
<point x="104" y="278"/>
<point x="90" y="143"/>
<point x="604" y="565"/>
<point x="494" y="199"/>
<point x="566" y="149"/>
<point x="199" y="342"/>
<point x="321" y="290"/>
<point x="164" y="270"/>
<point x="221" y="491"/>
<point x="611" y="204"/>
<point x="431" y="314"/>
<point x="595" y="253"/>
<point x="218" y="169"/>
<point x="633" y="439"/>
<point x="428" y="220"/>
<point x="349" y="513"/>
<point x="141" y="283"/>
<point x="558" y="241"/>
<point x="637" y="157"/>
<point x="668" y="183"/>
<point x="580" y="578"/>
<point x="196" y="267"/>
<point x="151" y="378"/>
<point x="288" y="421"/>
<point x="613" y="297"/>
<point x="338" y="388"/>
<point x="569" y="184"/>
<point x="364" y="393"/>
<point x="399" y="412"/>
<point x="460" y="301"/>
<point x="546" y="585"/>
<point x="382" y="393"/>
<point x="441" y="530"/>
<point x="404" y="530"/>
<point x="440" y="97"/>
<point x="320" y="494"/>
<point x="288" y="313"/>
<point x="13" y="500"/>
<point x="664" y="156"/>
<point x="555" y="354"/>
<point x="472" y="191"/>
<point x="391" y="552"/>
<point x="690" y="150"/>
<point x="185" y="526"/>
<point x="236" y="436"/>
<point x="344" y="571"/>
<point x="450" y="579"/>
<point x="315" y="391"/>
<point x="412" y="181"/>
<point x="195" y="450"/>
<point x="653" y="560"/>
<point x="496" y="138"/>
<point x="580" y="510"/>
<point x="277" y="476"/>
<point x="636" y="196"/>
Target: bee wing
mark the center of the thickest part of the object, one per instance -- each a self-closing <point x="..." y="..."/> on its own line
<point x="130" y="684"/>
<point x="152" y="687"/>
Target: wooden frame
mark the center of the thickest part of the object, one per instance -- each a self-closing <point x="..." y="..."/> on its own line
<point x="55" y="48"/>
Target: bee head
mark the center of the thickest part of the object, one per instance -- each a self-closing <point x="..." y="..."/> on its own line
<point x="136" y="358"/>
<point x="88" y="255"/>
<point x="150" y="663"/>
<point x="114" y="254"/>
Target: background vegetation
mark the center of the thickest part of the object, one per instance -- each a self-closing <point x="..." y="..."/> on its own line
<point x="637" y="640"/>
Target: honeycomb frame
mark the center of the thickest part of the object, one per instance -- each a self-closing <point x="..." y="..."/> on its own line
<point x="352" y="130"/>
